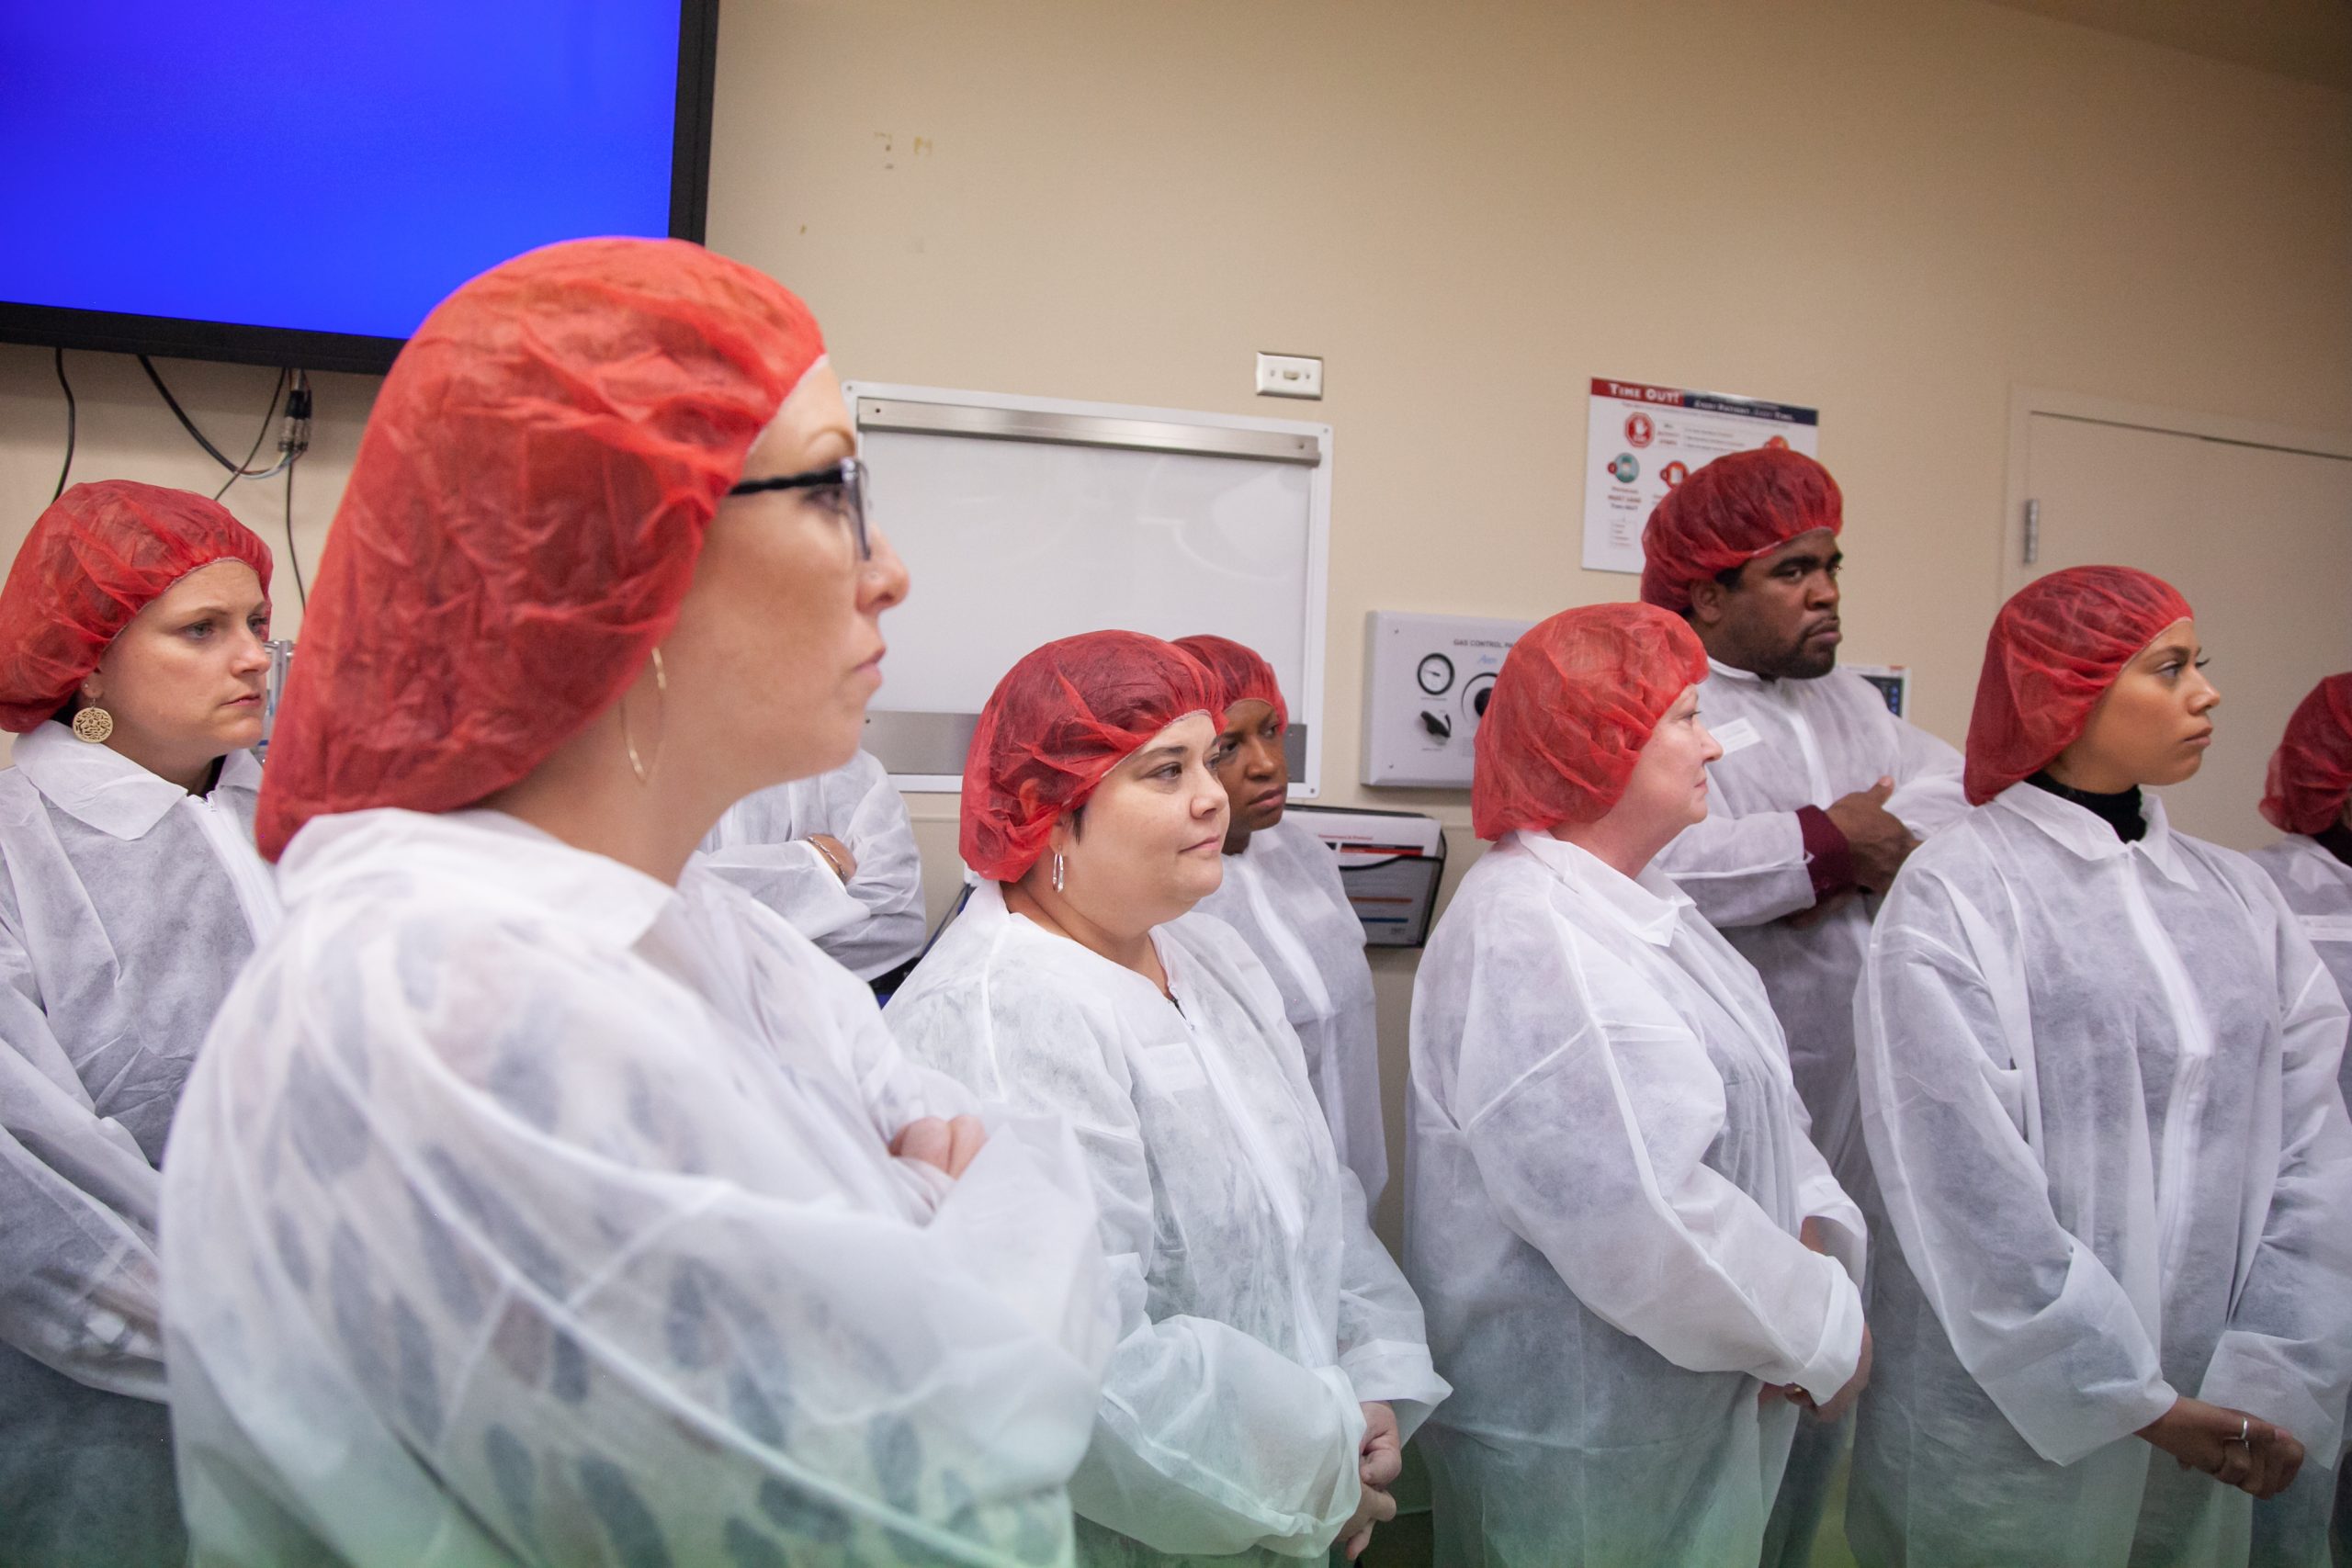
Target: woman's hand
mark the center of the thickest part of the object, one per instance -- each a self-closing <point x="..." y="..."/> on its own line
<point x="2232" y="1447"/>
<point x="1840" y="1403"/>
<point x="835" y="854"/>
<point x="1843" y="1399"/>
<point x="1381" y="1460"/>
<point x="949" y="1146"/>
<point x="1373" y="1506"/>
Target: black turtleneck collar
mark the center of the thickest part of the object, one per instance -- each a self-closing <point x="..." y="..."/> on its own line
<point x="2121" y="812"/>
<point x="2336" y="840"/>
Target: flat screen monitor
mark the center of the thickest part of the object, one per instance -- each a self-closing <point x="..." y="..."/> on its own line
<point x="283" y="182"/>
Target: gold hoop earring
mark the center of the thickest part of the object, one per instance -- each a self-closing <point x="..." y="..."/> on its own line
<point x="92" y="725"/>
<point x="1057" y="871"/>
<point x="644" y="771"/>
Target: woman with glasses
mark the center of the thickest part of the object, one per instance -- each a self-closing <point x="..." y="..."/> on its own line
<point x="2098" y="1060"/>
<point x="1271" y="1359"/>
<point x="541" y="1197"/>
<point x="835" y="854"/>
<point x="132" y="662"/>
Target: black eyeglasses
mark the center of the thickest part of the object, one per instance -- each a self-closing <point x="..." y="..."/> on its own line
<point x="839" y="487"/>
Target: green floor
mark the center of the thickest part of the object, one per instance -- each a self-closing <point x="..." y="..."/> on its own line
<point x="1406" y="1543"/>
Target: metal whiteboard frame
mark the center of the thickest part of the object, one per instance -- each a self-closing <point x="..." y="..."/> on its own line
<point x="1003" y="416"/>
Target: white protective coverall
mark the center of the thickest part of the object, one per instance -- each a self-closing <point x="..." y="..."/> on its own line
<point x="1607" y="1168"/>
<point x="1257" y="1310"/>
<point x="2098" y="1085"/>
<point x="1789" y="744"/>
<point x="127" y="908"/>
<point x="527" y="1210"/>
<point x="1283" y="894"/>
<point x="2294" y="1528"/>
<point x="872" y="924"/>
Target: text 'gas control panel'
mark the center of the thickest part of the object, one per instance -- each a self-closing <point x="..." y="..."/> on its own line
<point x="1425" y="691"/>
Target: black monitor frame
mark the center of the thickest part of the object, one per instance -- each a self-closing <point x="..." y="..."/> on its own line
<point x="52" y="326"/>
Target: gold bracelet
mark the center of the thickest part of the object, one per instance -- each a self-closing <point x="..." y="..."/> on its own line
<point x="830" y="861"/>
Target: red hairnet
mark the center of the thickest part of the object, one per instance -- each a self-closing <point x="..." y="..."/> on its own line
<point x="524" y="518"/>
<point x="1740" y="506"/>
<point x="1576" y="700"/>
<point x="2311" y="774"/>
<point x="2055" y="649"/>
<point x="98" y="556"/>
<point x="1059" y="721"/>
<point x="1241" y="675"/>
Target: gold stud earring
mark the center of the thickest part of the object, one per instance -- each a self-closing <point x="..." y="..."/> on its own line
<point x="92" y="725"/>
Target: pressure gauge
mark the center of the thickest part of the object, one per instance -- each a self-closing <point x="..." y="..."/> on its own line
<point x="1436" y="675"/>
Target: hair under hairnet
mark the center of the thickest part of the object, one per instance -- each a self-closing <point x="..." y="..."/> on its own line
<point x="1576" y="700"/>
<point x="1241" y="673"/>
<point x="1738" y="507"/>
<point x="2054" y="649"/>
<point x="2311" y="774"/>
<point x="1060" y="720"/>
<point x="100" y="554"/>
<point x="524" y="519"/>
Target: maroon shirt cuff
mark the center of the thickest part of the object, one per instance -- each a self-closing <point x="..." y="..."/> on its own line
<point x="1828" y="858"/>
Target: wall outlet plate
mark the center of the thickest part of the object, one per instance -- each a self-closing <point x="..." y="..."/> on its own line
<point x="1289" y="375"/>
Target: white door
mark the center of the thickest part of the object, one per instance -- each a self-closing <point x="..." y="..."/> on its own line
<point x="2258" y="539"/>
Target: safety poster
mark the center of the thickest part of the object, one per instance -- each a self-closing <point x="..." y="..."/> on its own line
<point x="1641" y="441"/>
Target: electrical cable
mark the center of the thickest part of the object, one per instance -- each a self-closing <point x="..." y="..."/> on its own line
<point x="293" y="555"/>
<point x="72" y="419"/>
<point x="189" y="425"/>
<point x="244" y="468"/>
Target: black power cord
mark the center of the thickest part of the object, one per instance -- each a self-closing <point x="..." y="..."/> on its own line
<point x="246" y="469"/>
<point x="72" y="419"/>
<point x="291" y="444"/>
<point x="237" y="471"/>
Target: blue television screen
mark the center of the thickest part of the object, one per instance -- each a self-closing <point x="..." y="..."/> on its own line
<point x="270" y="167"/>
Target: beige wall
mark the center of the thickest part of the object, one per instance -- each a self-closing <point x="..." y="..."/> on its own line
<point x="1893" y="211"/>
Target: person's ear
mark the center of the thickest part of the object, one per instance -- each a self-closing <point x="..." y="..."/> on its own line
<point x="1707" y="603"/>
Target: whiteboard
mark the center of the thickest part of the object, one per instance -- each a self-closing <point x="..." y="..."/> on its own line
<point x="1022" y="520"/>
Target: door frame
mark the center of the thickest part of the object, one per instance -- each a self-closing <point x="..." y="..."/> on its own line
<point x="2091" y="408"/>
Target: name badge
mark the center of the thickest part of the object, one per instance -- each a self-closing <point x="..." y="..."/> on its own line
<point x="1736" y="736"/>
<point x="2328" y="927"/>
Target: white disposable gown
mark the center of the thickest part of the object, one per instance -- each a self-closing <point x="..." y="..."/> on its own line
<point x="1607" y="1170"/>
<point x="2294" y="1528"/>
<point x="869" y="925"/>
<point x="2098" y="1085"/>
<point x="127" y="907"/>
<point x="1257" y="1310"/>
<point x="1283" y="894"/>
<point x="1788" y="744"/>
<point x="525" y="1210"/>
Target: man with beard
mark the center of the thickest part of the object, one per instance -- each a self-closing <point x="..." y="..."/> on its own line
<point x="1820" y="794"/>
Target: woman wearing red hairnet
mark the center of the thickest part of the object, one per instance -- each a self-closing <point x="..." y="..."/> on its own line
<point x="2097" y="1063"/>
<point x="1612" y="1206"/>
<point x="2308" y="798"/>
<point x="1282" y="892"/>
<point x="1271" y="1359"/>
<point x="540" y="1199"/>
<point x="132" y="670"/>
